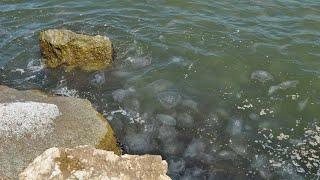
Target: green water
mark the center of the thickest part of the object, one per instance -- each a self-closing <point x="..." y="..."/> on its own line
<point x="191" y="60"/>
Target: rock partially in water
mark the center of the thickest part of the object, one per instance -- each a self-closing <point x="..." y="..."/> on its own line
<point x="261" y="76"/>
<point x="166" y="119"/>
<point x="169" y="99"/>
<point x="283" y="86"/>
<point x="64" y="47"/>
<point x="185" y="120"/>
<point x="85" y="162"/>
<point x="36" y="122"/>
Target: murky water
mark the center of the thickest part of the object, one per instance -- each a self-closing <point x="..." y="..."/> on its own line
<point x="221" y="89"/>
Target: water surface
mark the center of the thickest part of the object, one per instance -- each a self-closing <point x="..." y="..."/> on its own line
<point x="198" y="82"/>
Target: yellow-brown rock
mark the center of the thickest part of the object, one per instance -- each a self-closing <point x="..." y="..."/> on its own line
<point x="64" y="47"/>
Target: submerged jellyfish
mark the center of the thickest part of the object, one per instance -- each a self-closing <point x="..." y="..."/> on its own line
<point x="169" y="99"/>
<point x="262" y="76"/>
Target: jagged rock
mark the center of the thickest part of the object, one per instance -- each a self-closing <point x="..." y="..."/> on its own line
<point x="64" y="47"/>
<point x="85" y="162"/>
<point x="31" y="122"/>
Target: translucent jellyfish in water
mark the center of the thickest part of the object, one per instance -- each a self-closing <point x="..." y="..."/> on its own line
<point x="177" y="165"/>
<point x="173" y="147"/>
<point x="195" y="149"/>
<point x="166" y="119"/>
<point x="139" y="143"/>
<point x="121" y="74"/>
<point x="167" y="133"/>
<point x="260" y="163"/>
<point x="131" y="105"/>
<point x="283" y="86"/>
<point x="184" y="120"/>
<point x="235" y="127"/>
<point x="159" y="86"/>
<point x="212" y="120"/>
<point x="139" y="62"/>
<point x="191" y="104"/>
<point x="98" y="79"/>
<point x="169" y="99"/>
<point x="120" y="94"/>
<point x="261" y="76"/>
<point x="193" y="173"/>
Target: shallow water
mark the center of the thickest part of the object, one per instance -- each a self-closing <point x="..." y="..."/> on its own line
<point x="221" y="89"/>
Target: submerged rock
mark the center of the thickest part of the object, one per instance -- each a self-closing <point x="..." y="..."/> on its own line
<point x="261" y="76"/>
<point x="32" y="122"/>
<point x="64" y="47"/>
<point x="283" y="86"/>
<point x="85" y="162"/>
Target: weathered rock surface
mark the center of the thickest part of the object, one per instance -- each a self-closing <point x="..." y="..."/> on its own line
<point x="31" y="122"/>
<point x="64" y="47"/>
<point x="85" y="162"/>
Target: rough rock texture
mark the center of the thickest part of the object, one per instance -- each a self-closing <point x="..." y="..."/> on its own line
<point x="64" y="47"/>
<point x="73" y="122"/>
<point x="85" y="162"/>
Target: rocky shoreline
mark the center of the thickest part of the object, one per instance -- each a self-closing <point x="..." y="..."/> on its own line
<point x="53" y="137"/>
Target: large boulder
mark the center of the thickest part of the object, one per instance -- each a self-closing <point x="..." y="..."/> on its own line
<point x="85" y="162"/>
<point x="31" y="122"/>
<point x="64" y="47"/>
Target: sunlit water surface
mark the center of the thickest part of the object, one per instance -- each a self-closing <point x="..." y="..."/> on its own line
<point x="221" y="89"/>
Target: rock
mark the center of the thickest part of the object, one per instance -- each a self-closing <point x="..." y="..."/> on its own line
<point x="31" y="122"/>
<point x="85" y="162"/>
<point x="64" y="47"/>
<point x="261" y="76"/>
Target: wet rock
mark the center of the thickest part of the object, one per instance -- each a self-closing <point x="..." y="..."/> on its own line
<point x="184" y="120"/>
<point x="85" y="162"/>
<point x="261" y="76"/>
<point x="31" y="122"/>
<point x="283" y="86"/>
<point x="169" y="99"/>
<point x="166" y="119"/>
<point x="64" y="47"/>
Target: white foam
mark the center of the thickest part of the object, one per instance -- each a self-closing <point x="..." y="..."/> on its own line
<point x="21" y="118"/>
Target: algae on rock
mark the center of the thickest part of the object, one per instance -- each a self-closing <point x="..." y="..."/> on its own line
<point x="64" y="47"/>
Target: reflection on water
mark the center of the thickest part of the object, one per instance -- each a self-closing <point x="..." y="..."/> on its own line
<point x="222" y="90"/>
